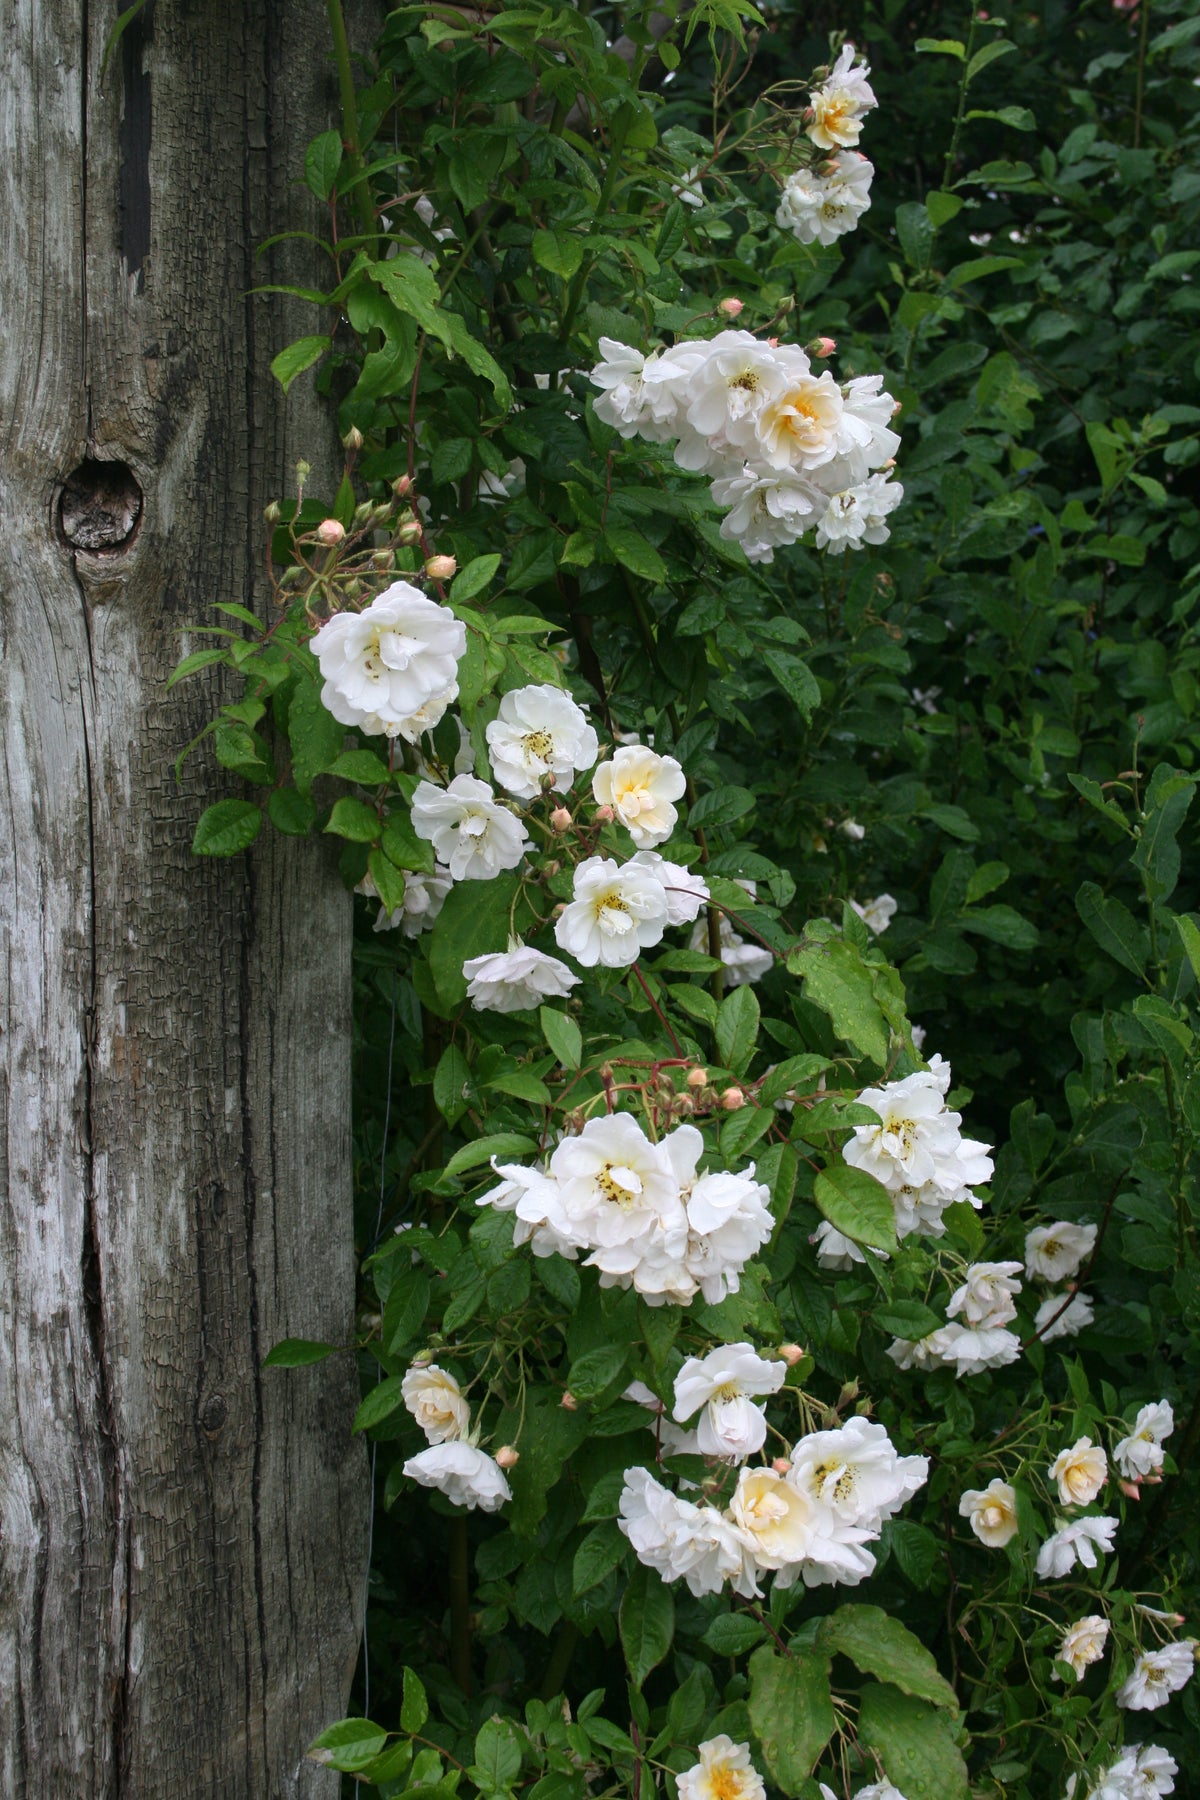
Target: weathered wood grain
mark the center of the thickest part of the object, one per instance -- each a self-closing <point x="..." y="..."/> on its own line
<point x="182" y="1535"/>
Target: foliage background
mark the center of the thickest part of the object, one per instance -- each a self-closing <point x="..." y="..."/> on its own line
<point x="1005" y="696"/>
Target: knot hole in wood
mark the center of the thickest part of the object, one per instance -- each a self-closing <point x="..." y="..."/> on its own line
<point x="100" y="507"/>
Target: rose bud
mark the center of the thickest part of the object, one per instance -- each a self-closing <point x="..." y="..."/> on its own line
<point x="732" y="1098"/>
<point x="440" y="568"/>
<point x="781" y="1464"/>
<point x="604" y="815"/>
<point x="731" y="307"/>
<point x="402" y="486"/>
<point x="507" y="1457"/>
<point x="568" y="1402"/>
<point x="330" y="531"/>
<point x="697" y="1078"/>
<point x="560" y="819"/>
<point x="791" y="1354"/>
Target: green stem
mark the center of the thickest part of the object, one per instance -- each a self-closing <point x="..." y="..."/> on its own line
<point x="460" y="1603"/>
<point x="560" y="1660"/>
<point x="952" y="152"/>
<point x="354" y="157"/>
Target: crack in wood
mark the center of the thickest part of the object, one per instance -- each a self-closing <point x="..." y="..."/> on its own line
<point x="133" y="180"/>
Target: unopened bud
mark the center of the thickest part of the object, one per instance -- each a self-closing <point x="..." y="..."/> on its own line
<point x="363" y="511"/>
<point x="897" y="406"/>
<point x="507" y="1457"/>
<point x="781" y="1464"/>
<point x="560" y="819"/>
<point x="303" y="471"/>
<point x="410" y="533"/>
<point x="1130" y="1490"/>
<point x="568" y="1402"/>
<point x="273" y="513"/>
<point x="732" y="1098"/>
<point x="791" y="1354"/>
<point x="848" y="1394"/>
<point x="440" y="568"/>
<point x="402" y="486"/>
<point x="604" y="815"/>
<point x="330" y="531"/>
<point x="422" y="1359"/>
<point x="697" y="1078"/>
<point x="353" y="439"/>
<point x="551" y="869"/>
<point x="731" y="307"/>
<point x="381" y="559"/>
<point x="853" y="830"/>
<point x="822" y="347"/>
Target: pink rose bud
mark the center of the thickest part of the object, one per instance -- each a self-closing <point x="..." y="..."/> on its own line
<point x="507" y="1457"/>
<point x="330" y="531"/>
<point x="697" y="1078"/>
<point x="440" y="568"/>
<point x="731" y="307"/>
<point x="732" y="1098"/>
<point x="568" y="1402"/>
<point x="1130" y="1490"/>
<point x="410" y="532"/>
<point x="604" y="815"/>
<point x="773" y="343"/>
<point x="791" y="1354"/>
<point x="353" y="439"/>
<point x="402" y="486"/>
<point x="823" y="346"/>
<point x="780" y="1464"/>
<point x="560" y="819"/>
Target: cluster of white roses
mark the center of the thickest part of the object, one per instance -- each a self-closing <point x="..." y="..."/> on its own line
<point x="454" y="1463"/>
<point x="1141" y="1772"/>
<point x="646" y="1216"/>
<point x="807" y="1518"/>
<point x="1055" y="1253"/>
<point x="821" y="202"/>
<point x="391" y="669"/>
<point x="788" y="449"/>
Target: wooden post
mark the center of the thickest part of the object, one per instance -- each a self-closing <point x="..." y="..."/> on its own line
<point x="182" y="1537"/>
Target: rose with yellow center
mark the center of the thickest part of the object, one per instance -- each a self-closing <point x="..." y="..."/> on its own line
<point x="779" y="1522"/>
<point x="800" y="429"/>
<point x="724" y="1772"/>
<point x="992" y="1512"/>
<point x="640" y="786"/>
<point x="1080" y="1472"/>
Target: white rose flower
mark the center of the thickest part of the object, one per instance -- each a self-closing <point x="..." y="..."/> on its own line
<point x="724" y="1772"/>
<point x="1138" y="1774"/>
<point x="917" y="1140"/>
<point x="766" y="509"/>
<point x="834" y="1251"/>
<point x="1083" y="1643"/>
<point x="968" y="1352"/>
<point x="474" y="836"/>
<point x="670" y="1439"/>
<point x="728" y="1220"/>
<point x="992" y="1512"/>
<point x="837" y="108"/>
<point x="1157" y="1675"/>
<point x="1079" y="1542"/>
<point x="1080" y="1472"/>
<point x="1062" y="1315"/>
<point x="780" y="1524"/>
<point x="466" y="1475"/>
<point x="879" y="1790"/>
<point x="801" y="428"/>
<point x="615" y="915"/>
<point x="686" y="891"/>
<point x="858" y="515"/>
<point x="986" y="1297"/>
<point x="856" y="1473"/>
<point x="820" y="205"/>
<point x="640" y="786"/>
<point x="643" y="395"/>
<point x="730" y="384"/>
<point x="876" y="914"/>
<point x="1056" y="1252"/>
<point x="868" y="440"/>
<point x="1156" y="1769"/>
<point x="721" y="1383"/>
<point x="513" y="979"/>
<point x="424" y="897"/>
<point x="743" y="962"/>
<point x="383" y="665"/>
<point x="533" y="1196"/>
<point x="1140" y="1454"/>
<point x="436" y="1402"/>
<point x="539" y="731"/>
<point x="678" y="1539"/>
<point x="614" y="1185"/>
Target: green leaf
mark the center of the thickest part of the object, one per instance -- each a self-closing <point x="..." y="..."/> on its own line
<point x="362" y="766"/>
<point x="382" y="1401"/>
<point x="977" y="268"/>
<point x="721" y="807"/>
<point x="1019" y="117"/>
<point x="856" y="1205"/>
<point x="1002" y="924"/>
<point x="199" y="659"/>
<point x="226" y="827"/>
<point x="600" y="1551"/>
<point x="635" y="553"/>
<point x="497" y="1755"/>
<point x="563" y="1036"/>
<point x="473" y="921"/>
<point x="596" y="1370"/>
<point x="1114" y="928"/>
<point x="1190" y="938"/>
<point x="559" y="251"/>
<point x="297" y="1353"/>
<point x="732" y="1634"/>
<point x="737" y="1029"/>
<point x="915" y="1743"/>
<point x="941" y="47"/>
<point x="915" y="229"/>
<point x="291" y="812"/>
<point x="414" y="289"/>
<point x="388" y="879"/>
<point x="297" y="357"/>
<point x="943" y="207"/>
<point x="791" y="1711"/>
<point x="314" y="734"/>
<point x="322" y="160"/>
<point x="354" y="820"/>
<point x="404" y="1314"/>
<point x="503" y="1145"/>
<point x="1156" y="852"/>
<point x="989" y="53"/>
<point x="414" y="1709"/>
<point x="880" y="1645"/>
<point x="905" y="1319"/>
<point x="402" y="846"/>
<point x="348" y="1745"/>
<point x="451" y="1080"/>
<point x="838" y="981"/>
<point x="795" y="678"/>
<point x="474" y="577"/>
<point x="647" y="1622"/>
<point x="697" y="1002"/>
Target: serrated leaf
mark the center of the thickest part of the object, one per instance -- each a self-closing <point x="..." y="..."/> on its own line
<point x="314" y="734"/>
<point x="297" y="1353"/>
<point x="497" y="1754"/>
<point x="791" y="1710"/>
<point x="561" y="252"/>
<point x="737" y="1029"/>
<point x="362" y="766"/>
<point x="635" y="553"/>
<point x="226" y="827"/>
<point x="856" y="1205"/>
<point x="795" y="678"/>
<point x="647" y="1622"/>
<point x="474" y="577"/>
<point x="1114" y="928"/>
<point x="732" y="1634"/>
<point x="596" y="1370"/>
<point x="382" y="1401"/>
<point x="563" y="1036"/>
<point x="354" y="820"/>
<point x="291" y="812"/>
<point x="878" y="1644"/>
<point x="838" y="981"/>
<point x="348" y="1745"/>
<point x="297" y="357"/>
<point x="915" y="1743"/>
<point x="322" y="160"/>
<point x="600" y="1551"/>
<point x="505" y="1146"/>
